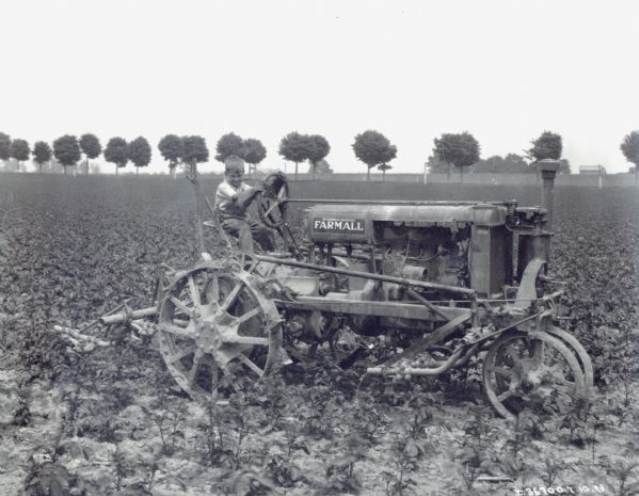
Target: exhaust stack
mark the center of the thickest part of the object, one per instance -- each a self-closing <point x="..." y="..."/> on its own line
<point x="548" y="169"/>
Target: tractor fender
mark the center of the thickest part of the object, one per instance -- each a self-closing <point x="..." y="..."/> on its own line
<point x="528" y="286"/>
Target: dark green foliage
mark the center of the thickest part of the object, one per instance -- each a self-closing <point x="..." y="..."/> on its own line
<point x="253" y="151"/>
<point x="20" y="151"/>
<point x="630" y="149"/>
<point x="510" y="164"/>
<point x="139" y="152"/>
<point x="117" y="152"/>
<point x="547" y="146"/>
<point x="41" y="153"/>
<point x="195" y="150"/>
<point x="322" y="167"/>
<point x="5" y="146"/>
<point x="460" y="150"/>
<point x="66" y="150"/>
<point x="293" y="147"/>
<point x="228" y="145"/>
<point x="317" y="149"/>
<point x="373" y="148"/>
<point x="91" y="147"/>
<point x="171" y="148"/>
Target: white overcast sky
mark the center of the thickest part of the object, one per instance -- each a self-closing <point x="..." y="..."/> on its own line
<point x="503" y="70"/>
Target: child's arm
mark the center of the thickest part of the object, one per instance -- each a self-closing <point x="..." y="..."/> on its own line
<point x="245" y="198"/>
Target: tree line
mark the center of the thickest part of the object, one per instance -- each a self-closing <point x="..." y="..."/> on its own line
<point x="460" y="151"/>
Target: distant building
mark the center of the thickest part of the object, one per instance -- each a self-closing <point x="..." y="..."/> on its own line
<point x="592" y="169"/>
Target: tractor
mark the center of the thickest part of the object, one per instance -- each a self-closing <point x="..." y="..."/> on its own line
<point x="440" y="284"/>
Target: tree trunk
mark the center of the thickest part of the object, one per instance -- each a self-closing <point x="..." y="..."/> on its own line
<point x="137" y="170"/>
<point x="383" y="175"/>
<point x="117" y="169"/>
<point x="448" y="176"/>
<point x="199" y="217"/>
<point x="65" y="169"/>
<point x="461" y="174"/>
<point x="40" y="170"/>
<point x="368" y="173"/>
<point x="296" y="164"/>
<point x="87" y="167"/>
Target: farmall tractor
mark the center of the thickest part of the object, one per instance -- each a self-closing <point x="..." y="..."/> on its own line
<point x="440" y="284"/>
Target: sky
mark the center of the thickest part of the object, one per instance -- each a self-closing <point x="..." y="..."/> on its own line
<point x="503" y="70"/>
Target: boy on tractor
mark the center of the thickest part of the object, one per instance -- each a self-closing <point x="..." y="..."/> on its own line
<point x="232" y="200"/>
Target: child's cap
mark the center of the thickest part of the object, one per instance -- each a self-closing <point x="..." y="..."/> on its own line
<point x="233" y="164"/>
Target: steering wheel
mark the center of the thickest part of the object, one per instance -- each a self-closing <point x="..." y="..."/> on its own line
<point x="272" y="204"/>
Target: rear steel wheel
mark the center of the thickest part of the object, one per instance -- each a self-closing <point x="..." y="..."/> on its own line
<point x="536" y="371"/>
<point x="218" y="332"/>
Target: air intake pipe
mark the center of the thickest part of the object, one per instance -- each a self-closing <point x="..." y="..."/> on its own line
<point x="548" y="169"/>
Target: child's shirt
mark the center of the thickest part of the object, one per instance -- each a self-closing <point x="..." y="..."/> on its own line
<point x="226" y="201"/>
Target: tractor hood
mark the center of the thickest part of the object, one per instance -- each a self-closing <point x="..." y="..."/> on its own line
<point x="355" y="223"/>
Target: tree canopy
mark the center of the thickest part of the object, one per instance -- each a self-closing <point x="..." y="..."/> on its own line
<point x="317" y="148"/>
<point x="41" y="153"/>
<point x="66" y="150"/>
<point x="228" y="145"/>
<point x="458" y="149"/>
<point x="195" y="150"/>
<point x="630" y="149"/>
<point x="172" y="149"/>
<point x="322" y="167"/>
<point x="547" y="146"/>
<point x="294" y="147"/>
<point x="117" y="152"/>
<point x="373" y="148"/>
<point x="253" y="151"/>
<point x="20" y="151"/>
<point x="90" y="146"/>
<point x="139" y="152"/>
<point x="5" y="146"/>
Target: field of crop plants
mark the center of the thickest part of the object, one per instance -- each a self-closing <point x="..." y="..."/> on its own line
<point x="114" y="423"/>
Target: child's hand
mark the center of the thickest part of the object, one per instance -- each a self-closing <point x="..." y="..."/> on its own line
<point x="259" y="187"/>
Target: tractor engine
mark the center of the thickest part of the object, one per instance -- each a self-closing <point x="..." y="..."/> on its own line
<point x="454" y="245"/>
<point x="423" y="242"/>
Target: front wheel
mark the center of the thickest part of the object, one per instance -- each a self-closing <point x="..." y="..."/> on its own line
<point x="536" y="371"/>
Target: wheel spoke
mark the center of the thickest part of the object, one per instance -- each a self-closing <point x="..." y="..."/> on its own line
<point x="214" y="296"/>
<point x="249" y="315"/>
<point x="181" y="323"/>
<point x="247" y="361"/>
<point x="183" y="353"/>
<point x="268" y="212"/>
<point x="230" y="298"/>
<point x="505" y="395"/>
<point x="180" y="305"/>
<point x="215" y="375"/>
<point x="195" y="292"/>
<point x="175" y="330"/>
<point x="503" y="371"/>
<point x="247" y="340"/>
<point x="197" y="361"/>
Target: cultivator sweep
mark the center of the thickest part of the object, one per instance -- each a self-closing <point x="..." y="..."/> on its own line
<point x="407" y="288"/>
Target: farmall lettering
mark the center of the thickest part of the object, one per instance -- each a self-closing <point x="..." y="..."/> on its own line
<point x="339" y="225"/>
